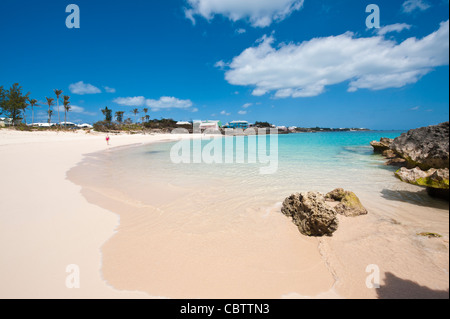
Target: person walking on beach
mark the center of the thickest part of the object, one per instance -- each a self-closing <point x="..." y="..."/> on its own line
<point x="107" y="139"/>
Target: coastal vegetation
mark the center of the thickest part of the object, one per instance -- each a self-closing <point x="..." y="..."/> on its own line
<point x="14" y="105"/>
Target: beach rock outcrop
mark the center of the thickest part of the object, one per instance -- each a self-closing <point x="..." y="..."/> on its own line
<point x="435" y="180"/>
<point x="383" y="145"/>
<point x="316" y="214"/>
<point x="349" y="204"/>
<point x="423" y="154"/>
<point x="426" y="147"/>
<point x="311" y="214"/>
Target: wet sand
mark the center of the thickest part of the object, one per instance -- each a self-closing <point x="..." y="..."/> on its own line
<point x="220" y="241"/>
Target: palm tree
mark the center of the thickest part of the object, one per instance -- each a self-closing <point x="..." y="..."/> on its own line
<point x="136" y="112"/>
<point x="147" y="118"/>
<point x="145" y="111"/>
<point x="58" y="93"/>
<point x="50" y="102"/>
<point x="67" y="108"/>
<point x="50" y="113"/>
<point x="107" y="113"/>
<point x="32" y="103"/>
<point x="119" y="117"/>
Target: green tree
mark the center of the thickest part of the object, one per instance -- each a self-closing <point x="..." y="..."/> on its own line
<point x="2" y="99"/>
<point x="32" y="103"/>
<point x="50" y="113"/>
<point x="14" y="102"/>
<point x="58" y="94"/>
<point x="119" y="117"/>
<point x="145" y="112"/>
<point x="67" y="108"/>
<point x="108" y="114"/>
<point x="50" y="102"/>
<point x="136" y="112"/>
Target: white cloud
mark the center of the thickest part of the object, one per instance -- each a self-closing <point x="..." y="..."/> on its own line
<point x="412" y="5"/>
<point x="194" y="110"/>
<point x="306" y="69"/>
<point x="225" y="113"/>
<point x="398" y="27"/>
<point x="109" y="90"/>
<point x="220" y="64"/>
<point x="415" y="108"/>
<point x="241" y="31"/>
<point x="73" y="109"/>
<point x="260" y="13"/>
<point x="167" y="102"/>
<point x="247" y="105"/>
<point x="82" y="88"/>
<point x="242" y="112"/>
<point x="130" y="101"/>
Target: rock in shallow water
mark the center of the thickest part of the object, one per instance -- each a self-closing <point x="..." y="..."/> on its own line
<point x="349" y="204"/>
<point x="314" y="216"/>
<point x="311" y="214"/>
<point x="426" y="147"/>
<point x="382" y="146"/>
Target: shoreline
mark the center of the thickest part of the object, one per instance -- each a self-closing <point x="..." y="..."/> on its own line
<point x="244" y="273"/>
<point x="34" y="266"/>
<point x="46" y="223"/>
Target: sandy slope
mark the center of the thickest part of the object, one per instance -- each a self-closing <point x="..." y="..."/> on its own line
<point x="45" y="222"/>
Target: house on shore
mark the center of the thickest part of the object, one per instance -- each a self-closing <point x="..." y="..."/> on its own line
<point x="207" y="125"/>
<point x="238" y="125"/>
<point x="4" y="121"/>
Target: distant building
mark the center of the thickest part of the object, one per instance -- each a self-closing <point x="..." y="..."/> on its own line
<point x="85" y="126"/>
<point x="4" y="121"/>
<point x="183" y="123"/>
<point x="210" y="125"/>
<point x="239" y="124"/>
<point x="68" y="124"/>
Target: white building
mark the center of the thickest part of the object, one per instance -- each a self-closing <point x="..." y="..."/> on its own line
<point x="4" y="121"/>
<point x="85" y="126"/>
<point x="183" y="123"/>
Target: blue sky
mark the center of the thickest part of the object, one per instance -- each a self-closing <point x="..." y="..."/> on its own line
<point x="290" y="62"/>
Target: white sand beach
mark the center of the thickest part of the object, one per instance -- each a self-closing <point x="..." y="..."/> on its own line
<point x="47" y="222"/>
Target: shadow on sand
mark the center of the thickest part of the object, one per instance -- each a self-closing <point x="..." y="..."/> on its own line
<point x="397" y="288"/>
<point x="420" y="198"/>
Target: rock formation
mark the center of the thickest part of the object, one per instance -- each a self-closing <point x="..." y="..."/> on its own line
<point x="426" y="147"/>
<point x="315" y="216"/>
<point x="435" y="180"/>
<point x="383" y="145"/>
<point x="349" y="204"/>
<point x="311" y="214"/>
<point x="425" y="154"/>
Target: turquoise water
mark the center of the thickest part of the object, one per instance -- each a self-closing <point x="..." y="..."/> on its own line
<point x="305" y="162"/>
<point x="225" y="215"/>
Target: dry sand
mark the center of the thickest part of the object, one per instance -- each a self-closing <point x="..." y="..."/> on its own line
<point x="45" y="222"/>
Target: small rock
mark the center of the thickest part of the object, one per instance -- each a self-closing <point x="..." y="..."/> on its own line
<point x="311" y="214"/>
<point x="381" y="146"/>
<point x="349" y="204"/>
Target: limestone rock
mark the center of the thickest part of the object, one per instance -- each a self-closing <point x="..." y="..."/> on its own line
<point x="349" y="204"/>
<point x="426" y="147"/>
<point x="434" y="178"/>
<point x="311" y="214"/>
<point x="381" y="146"/>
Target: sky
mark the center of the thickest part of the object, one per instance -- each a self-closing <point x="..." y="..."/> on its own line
<point x="300" y="63"/>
